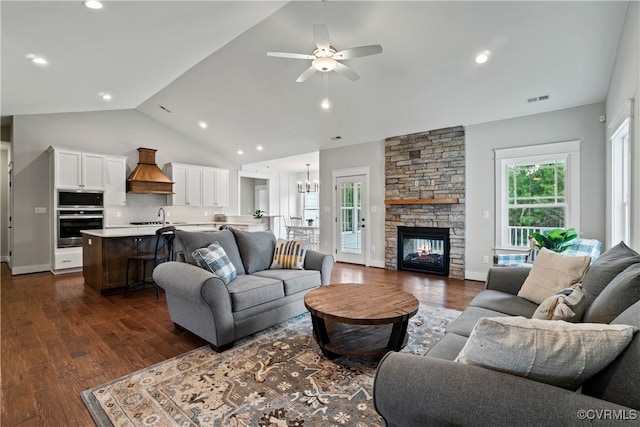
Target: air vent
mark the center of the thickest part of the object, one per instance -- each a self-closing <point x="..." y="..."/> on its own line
<point x="536" y="99"/>
<point x="336" y="138"/>
<point x="164" y="108"/>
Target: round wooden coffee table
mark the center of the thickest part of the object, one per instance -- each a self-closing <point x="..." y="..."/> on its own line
<point x="359" y="319"/>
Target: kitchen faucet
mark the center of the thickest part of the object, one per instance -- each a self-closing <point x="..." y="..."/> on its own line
<point x="164" y="216"/>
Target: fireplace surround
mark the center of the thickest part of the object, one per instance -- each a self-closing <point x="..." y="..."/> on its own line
<point x="425" y="187"/>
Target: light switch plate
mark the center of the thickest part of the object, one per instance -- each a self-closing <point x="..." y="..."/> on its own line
<point x="41" y="210"/>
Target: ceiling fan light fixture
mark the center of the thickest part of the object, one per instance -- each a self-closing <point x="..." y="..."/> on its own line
<point x="324" y="64"/>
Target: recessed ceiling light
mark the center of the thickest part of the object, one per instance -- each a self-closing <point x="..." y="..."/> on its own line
<point x="36" y="59"/>
<point x="259" y="148"/>
<point x="325" y="104"/>
<point x="202" y="124"/>
<point x="240" y="152"/>
<point x="93" y="4"/>
<point x="105" y="96"/>
<point x="482" y="57"/>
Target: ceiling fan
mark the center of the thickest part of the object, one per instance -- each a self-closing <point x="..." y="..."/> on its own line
<point x="326" y="58"/>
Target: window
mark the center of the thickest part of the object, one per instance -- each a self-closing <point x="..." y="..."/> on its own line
<point x="311" y="207"/>
<point x="537" y="188"/>
<point x="620" y="183"/>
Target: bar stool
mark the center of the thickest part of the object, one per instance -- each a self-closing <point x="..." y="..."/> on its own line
<point x="163" y="252"/>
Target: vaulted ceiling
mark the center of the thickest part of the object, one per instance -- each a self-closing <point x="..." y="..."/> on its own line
<point x="182" y="62"/>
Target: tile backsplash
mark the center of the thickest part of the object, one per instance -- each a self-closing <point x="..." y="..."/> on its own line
<point x="144" y="207"/>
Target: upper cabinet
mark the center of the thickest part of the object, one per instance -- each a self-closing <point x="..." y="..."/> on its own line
<point x="75" y="170"/>
<point x="198" y="185"/>
<point x="115" y="181"/>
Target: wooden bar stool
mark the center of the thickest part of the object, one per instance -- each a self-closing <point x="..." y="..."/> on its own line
<point x="163" y="252"/>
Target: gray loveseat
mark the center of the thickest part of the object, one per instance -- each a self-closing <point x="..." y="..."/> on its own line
<point x="434" y="390"/>
<point x="259" y="297"/>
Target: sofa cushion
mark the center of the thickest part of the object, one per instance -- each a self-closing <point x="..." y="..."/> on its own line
<point x="448" y="347"/>
<point x="619" y="382"/>
<point x="568" y="304"/>
<point x="294" y="280"/>
<point x="250" y="290"/>
<point x="554" y="352"/>
<point x="552" y="272"/>
<point x="606" y="267"/>
<point x="256" y="249"/>
<point x="215" y="259"/>
<point x="503" y="302"/>
<point x="464" y="324"/>
<point x="192" y="240"/>
<point x="289" y="254"/>
<point x="622" y="292"/>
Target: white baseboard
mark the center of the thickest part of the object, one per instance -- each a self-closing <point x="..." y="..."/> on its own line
<point x="475" y="275"/>
<point x="378" y="264"/>
<point x="30" y="269"/>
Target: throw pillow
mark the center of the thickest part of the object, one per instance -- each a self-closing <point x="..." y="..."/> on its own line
<point x="289" y="254"/>
<point x="552" y="272"/>
<point x="606" y="267"/>
<point x="568" y="304"/>
<point x="256" y="249"/>
<point x="189" y="241"/>
<point x="215" y="259"/>
<point x="559" y="353"/>
<point x="621" y="293"/>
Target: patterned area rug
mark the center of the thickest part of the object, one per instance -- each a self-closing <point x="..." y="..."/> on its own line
<point x="277" y="377"/>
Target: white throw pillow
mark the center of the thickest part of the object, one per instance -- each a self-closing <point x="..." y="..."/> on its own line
<point x="552" y="272"/>
<point x="554" y="352"/>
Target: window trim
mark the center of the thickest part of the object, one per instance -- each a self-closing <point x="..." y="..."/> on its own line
<point x="625" y="180"/>
<point x="570" y="150"/>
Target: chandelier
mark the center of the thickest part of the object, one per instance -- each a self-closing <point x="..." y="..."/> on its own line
<point x="308" y="186"/>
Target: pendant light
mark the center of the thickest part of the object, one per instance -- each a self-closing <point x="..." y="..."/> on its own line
<point x="308" y="186"/>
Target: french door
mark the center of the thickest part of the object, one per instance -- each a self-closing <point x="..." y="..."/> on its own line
<point x="350" y="193"/>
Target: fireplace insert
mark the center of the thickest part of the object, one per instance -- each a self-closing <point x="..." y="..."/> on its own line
<point x="424" y="249"/>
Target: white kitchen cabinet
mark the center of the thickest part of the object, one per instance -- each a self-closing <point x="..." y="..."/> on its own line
<point x="115" y="181"/>
<point x="187" y="187"/>
<point x="215" y="187"/>
<point x="76" y="170"/>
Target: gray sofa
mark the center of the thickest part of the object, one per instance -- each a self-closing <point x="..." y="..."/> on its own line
<point x="259" y="297"/>
<point x="434" y="390"/>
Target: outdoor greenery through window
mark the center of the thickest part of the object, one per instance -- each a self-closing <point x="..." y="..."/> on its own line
<point x="536" y="198"/>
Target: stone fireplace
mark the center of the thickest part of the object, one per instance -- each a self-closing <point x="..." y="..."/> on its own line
<point x="425" y="188"/>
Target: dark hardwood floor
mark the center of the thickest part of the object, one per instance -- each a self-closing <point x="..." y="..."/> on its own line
<point x="59" y="338"/>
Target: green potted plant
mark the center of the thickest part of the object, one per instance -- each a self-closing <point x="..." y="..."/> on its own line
<point x="259" y="213"/>
<point x="556" y="240"/>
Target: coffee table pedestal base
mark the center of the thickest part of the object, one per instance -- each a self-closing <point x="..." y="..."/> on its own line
<point x="374" y="341"/>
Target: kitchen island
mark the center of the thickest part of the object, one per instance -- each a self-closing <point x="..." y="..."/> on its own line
<point x="105" y="252"/>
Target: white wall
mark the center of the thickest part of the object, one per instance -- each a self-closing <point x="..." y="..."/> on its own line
<point x="580" y="123"/>
<point x="625" y="84"/>
<point x="118" y="132"/>
<point x="368" y="154"/>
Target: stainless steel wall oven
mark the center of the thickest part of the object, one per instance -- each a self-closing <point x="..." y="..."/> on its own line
<point x="78" y="211"/>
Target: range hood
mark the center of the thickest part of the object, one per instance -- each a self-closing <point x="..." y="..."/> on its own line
<point x="147" y="177"/>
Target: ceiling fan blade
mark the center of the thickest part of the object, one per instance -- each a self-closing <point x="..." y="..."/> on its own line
<point x="290" y="55"/>
<point x="321" y="37"/>
<point x="347" y="72"/>
<point x="307" y="73"/>
<point x="357" y="52"/>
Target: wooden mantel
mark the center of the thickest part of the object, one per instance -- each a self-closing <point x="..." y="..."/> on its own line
<point x="452" y="201"/>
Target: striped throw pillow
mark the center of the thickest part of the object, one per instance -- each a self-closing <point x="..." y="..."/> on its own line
<point x="289" y="254"/>
<point x="215" y="259"/>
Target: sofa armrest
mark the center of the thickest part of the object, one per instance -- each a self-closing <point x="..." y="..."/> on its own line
<point x="314" y="260"/>
<point x="412" y="390"/>
<point x="506" y="279"/>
